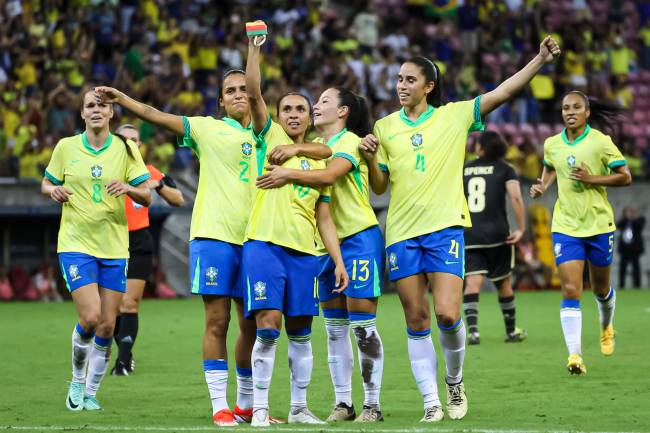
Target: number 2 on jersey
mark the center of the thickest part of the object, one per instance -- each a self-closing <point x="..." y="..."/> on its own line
<point x="243" y="174"/>
<point x="476" y="194"/>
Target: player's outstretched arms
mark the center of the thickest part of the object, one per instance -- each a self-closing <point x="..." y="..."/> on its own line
<point x="549" y="50"/>
<point x="327" y="231"/>
<point x="58" y="193"/>
<point x="168" y="121"/>
<point x="259" y="113"/>
<point x="377" y="178"/>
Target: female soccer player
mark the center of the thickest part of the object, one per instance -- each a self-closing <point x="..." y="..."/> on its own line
<point x="280" y="254"/>
<point x="584" y="161"/>
<point x="140" y="260"/>
<point x="89" y="174"/>
<point x="421" y="150"/>
<point x="221" y="209"/>
<point x="341" y="117"/>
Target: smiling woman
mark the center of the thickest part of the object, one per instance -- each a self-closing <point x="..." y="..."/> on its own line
<point x="89" y="174"/>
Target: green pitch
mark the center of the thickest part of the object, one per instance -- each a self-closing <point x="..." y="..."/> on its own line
<point x="511" y="387"/>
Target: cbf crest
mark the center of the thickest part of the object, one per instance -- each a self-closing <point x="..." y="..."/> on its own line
<point x="260" y="291"/>
<point x="73" y="271"/>
<point x="304" y="165"/>
<point x="392" y="259"/>
<point x="211" y="275"/>
<point x="96" y="171"/>
<point x="571" y="160"/>
<point x="416" y="140"/>
<point x="246" y="149"/>
<point x="557" y="249"/>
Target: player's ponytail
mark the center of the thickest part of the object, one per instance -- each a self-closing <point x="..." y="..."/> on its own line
<point x="118" y="133"/>
<point x="603" y="116"/>
<point x="431" y="72"/>
<point x="358" y="120"/>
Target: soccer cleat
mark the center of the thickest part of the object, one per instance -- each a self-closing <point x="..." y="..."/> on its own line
<point x="516" y="336"/>
<point x="370" y="414"/>
<point x="75" y="399"/>
<point x="433" y="414"/>
<point x="91" y="403"/>
<point x="456" y="400"/>
<point x="303" y="415"/>
<point x="260" y="418"/>
<point x="474" y="338"/>
<point x="607" y="340"/>
<point x="121" y="369"/>
<point x="576" y="365"/>
<point x="246" y="415"/>
<point x="224" y="418"/>
<point x="342" y="412"/>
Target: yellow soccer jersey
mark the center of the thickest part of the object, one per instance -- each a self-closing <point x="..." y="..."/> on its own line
<point x="351" y="208"/>
<point x="425" y="162"/>
<point x="92" y="221"/>
<point x="582" y="210"/>
<point x="286" y="216"/>
<point x="226" y="153"/>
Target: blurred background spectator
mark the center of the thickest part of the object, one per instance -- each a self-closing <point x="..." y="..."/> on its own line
<point x="630" y="245"/>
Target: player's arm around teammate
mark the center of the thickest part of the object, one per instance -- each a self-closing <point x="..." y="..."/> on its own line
<point x="89" y="174"/>
<point x="425" y="241"/>
<point x="141" y="258"/>
<point x="584" y="161"/>
<point x="340" y="118"/>
<point x="224" y="196"/>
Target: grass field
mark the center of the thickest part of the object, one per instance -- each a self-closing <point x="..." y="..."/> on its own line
<point x="518" y="387"/>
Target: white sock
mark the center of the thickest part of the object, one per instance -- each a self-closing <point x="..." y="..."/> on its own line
<point x="339" y="351"/>
<point x="424" y="365"/>
<point x="571" y="319"/>
<point x="244" y="388"/>
<point x="216" y="376"/>
<point x="301" y="362"/>
<point x="100" y="354"/>
<point x="606" y="307"/>
<point x="452" y="340"/>
<point x="263" y="358"/>
<point x="371" y="355"/>
<point x="81" y="341"/>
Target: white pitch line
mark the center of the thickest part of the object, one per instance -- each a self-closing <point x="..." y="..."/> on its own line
<point x="281" y="429"/>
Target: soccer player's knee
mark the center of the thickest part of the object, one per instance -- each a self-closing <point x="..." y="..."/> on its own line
<point x="571" y="291"/>
<point x="217" y="325"/>
<point x="129" y="306"/>
<point x="446" y="320"/>
<point x="89" y="320"/>
<point x="418" y="319"/>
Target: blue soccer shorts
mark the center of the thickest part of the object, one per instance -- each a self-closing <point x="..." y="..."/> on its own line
<point x="598" y="249"/>
<point x="80" y="269"/>
<point x="363" y="255"/>
<point x="441" y="251"/>
<point x="279" y="278"/>
<point x="215" y="268"/>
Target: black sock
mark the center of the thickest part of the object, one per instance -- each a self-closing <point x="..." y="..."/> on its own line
<point x="116" y="331"/>
<point x="470" y="305"/>
<point x="127" y="335"/>
<point x="508" y="309"/>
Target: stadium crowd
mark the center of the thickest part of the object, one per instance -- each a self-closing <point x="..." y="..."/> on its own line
<point x="172" y="53"/>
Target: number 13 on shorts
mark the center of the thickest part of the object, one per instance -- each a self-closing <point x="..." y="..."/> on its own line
<point x="453" y="250"/>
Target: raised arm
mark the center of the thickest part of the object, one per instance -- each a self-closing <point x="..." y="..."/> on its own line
<point x="327" y="231"/>
<point x="377" y="178"/>
<point x="168" y="121"/>
<point x="548" y="177"/>
<point x="548" y="51"/>
<point x="514" y="192"/>
<point x="277" y="176"/>
<point x="259" y="113"/>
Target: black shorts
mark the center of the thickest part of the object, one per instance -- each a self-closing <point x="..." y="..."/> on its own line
<point x="495" y="262"/>
<point x="141" y="255"/>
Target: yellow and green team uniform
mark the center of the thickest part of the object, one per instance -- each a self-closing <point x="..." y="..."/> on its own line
<point x="93" y="243"/>
<point x="427" y="209"/>
<point x="280" y="254"/>
<point x="228" y="167"/>
<point x="362" y="244"/>
<point x="583" y="220"/>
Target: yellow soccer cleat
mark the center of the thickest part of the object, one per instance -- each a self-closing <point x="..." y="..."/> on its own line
<point x="576" y="365"/>
<point x="607" y="340"/>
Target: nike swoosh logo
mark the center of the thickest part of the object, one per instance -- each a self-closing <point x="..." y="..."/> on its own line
<point x="74" y="161"/>
<point x="447" y="262"/>
<point x="72" y="405"/>
<point x="390" y="137"/>
<point x="358" y="287"/>
<point x="224" y="133"/>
